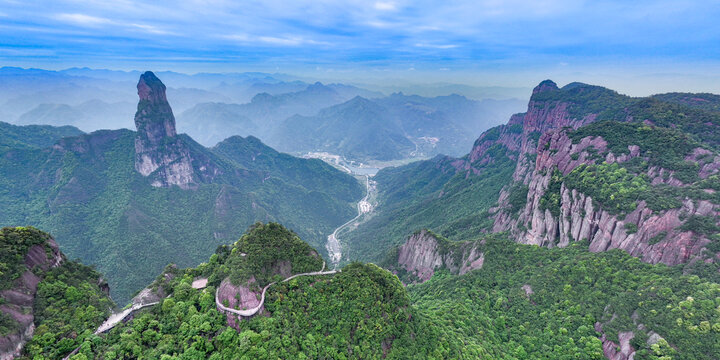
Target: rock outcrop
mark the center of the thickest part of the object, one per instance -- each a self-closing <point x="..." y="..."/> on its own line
<point x="582" y="219"/>
<point x="237" y="297"/>
<point x="424" y="252"/>
<point x="543" y="146"/>
<point x="159" y="152"/>
<point x="17" y="302"/>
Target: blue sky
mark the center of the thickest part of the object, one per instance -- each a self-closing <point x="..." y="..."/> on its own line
<point x="633" y="45"/>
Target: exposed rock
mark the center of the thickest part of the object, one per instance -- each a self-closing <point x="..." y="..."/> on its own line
<point x="18" y="301"/>
<point x="581" y="219"/>
<point x="539" y="141"/>
<point x="238" y="297"/>
<point x="612" y="350"/>
<point x="159" y="152"/>
<point x="423" y="253"/>
<point x="158" y="290"/>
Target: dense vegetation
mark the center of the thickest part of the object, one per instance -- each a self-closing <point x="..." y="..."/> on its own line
<point x="87" y="193"/>
<point x="33" y="136"/>
<point x="362" y="312"/>
<point x="583" y="99"/>
<point x="434" y="195"/>
<point x="69" y="306"/>
<point x="666" y="148"/>
<point x="264" y="247"/>
<point x="69" y="302"/>
<point x="14" y="246"/>
<point x="529" y="302"/>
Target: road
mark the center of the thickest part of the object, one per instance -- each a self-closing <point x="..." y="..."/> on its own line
<point x="113" y="320"/>
<point x="116" y="318"/>
<point x="333" y="246"/>
<point x="253" y="311"/>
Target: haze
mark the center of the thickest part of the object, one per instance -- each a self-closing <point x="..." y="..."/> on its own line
<point x="638" y="47"/>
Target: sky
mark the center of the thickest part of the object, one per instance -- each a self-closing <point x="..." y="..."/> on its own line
<point x="638" y="47"/>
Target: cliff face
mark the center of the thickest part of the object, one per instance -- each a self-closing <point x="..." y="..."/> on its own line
<point x="545" y="147"/>
<point x="581" y="218"/>
<point x="424" y="253"/>
<point x="18" y="301"/>
<point x="159" y="151"/>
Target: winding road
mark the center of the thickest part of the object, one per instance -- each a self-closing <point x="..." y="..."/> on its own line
<point x="113" y="320"/>
<point x="253" y="311"/>
<point x="332" y="245"/>
<point x="116" y="318"/>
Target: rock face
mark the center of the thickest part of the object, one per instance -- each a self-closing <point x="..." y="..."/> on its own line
<point x="159" y="152"/>
<point x="238" y="297"/>
<point x="424" y="253"/>
<point x="581" y="219"/>
<point x="613" y="351"/>
<point x="543" y="145"/>
<point x="18" y="301"/>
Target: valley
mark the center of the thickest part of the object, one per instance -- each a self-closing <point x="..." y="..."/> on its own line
<point x="359" y="180"/>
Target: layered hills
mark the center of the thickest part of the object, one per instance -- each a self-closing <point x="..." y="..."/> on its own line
<point x="583" y="164"/>
<point x="483" y="298"/>
<point x="359" y="312"/>
<point x="133" y="201"/>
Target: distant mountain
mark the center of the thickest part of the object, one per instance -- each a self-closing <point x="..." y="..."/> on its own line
<point x="357" y="129"/>
<point x="131" y="202"/>
<point x="213" y="122"/>
<point x="243" y="92"/>
<point x="583" y="164"/>
<point x="210" y="123"/>
<point x="393" y="127"/>
<point x="88" y="116"/>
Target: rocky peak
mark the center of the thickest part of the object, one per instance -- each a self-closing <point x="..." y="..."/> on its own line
<point x="159" y="152"/>
<point x="424" y="252"/>
<point x="154" y="118"/>
<point x="545" y="85"/>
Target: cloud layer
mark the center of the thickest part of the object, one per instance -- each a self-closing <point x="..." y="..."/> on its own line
<point x="497" y="35"/>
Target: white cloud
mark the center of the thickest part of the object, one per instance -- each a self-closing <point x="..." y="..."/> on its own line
<point x="385" y="6"/>
<point x="83" y="20"/>
<point x="274" y="40"/>
<point x="436" y="46"/>
<point x="150" y="29"/>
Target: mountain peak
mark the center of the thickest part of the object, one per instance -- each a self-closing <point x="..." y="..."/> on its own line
<point x="545" y="85"/>
<point x="154" y="118"/>
<point x="150" y="88"/>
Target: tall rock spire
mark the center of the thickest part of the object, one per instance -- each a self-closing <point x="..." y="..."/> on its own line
<point x="159" y="152"/>
<point x="154" y="118"/>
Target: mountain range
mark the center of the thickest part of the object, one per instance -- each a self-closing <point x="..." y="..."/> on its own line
<point x="211" y="107"/>
<point x="586" y="227"/>
<point x="167" y="197"/>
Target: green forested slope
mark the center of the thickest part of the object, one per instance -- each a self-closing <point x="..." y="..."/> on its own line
<point x="70" y="299"/>
<point x="88" y="194"/>
<point x="429" y="194"/>
<point x="363" y="312"/>
<point x="529" y="302"/>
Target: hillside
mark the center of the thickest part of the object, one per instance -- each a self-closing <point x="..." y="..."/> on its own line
<point x="44" y="298"/>
<point x="360" y="312"/>
<point x="33" y="136"/>
<point x="131" y="202"/>
<point x="532" y="302"/>
<point x="482" y="298"/>
<point x="584" y="163"/>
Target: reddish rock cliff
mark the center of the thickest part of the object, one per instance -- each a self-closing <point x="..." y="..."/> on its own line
<point x="159" y="152"/>
<point x="424" y="253"/>
<point x="18" y="301"/>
